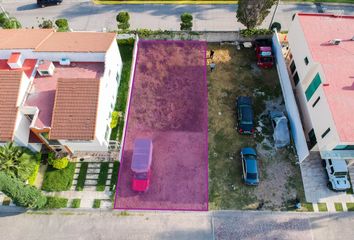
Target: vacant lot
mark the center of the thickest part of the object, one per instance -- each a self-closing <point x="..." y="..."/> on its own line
<point x="237" y="74"/>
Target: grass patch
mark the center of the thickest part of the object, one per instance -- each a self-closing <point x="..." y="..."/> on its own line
<point x="6" y="201"/>
<point x="114" y="177"/>
<point x="56" y="202"/>
<point x="96" y="203"/>
<point x="322" y="207"/>
<point x="33" y="176"/>
<point x="76" y="203"/>
<point x="350" y="206"/>
<point x="308" y="207"/>
<point x="82" y="176"/>
<point x="338" y="207"/>
<point x="56" y="180"/>
<point x="102" y="177"/>
<point x="126" y="51"/>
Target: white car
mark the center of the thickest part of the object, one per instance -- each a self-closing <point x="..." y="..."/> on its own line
<point x="337" y="171"/>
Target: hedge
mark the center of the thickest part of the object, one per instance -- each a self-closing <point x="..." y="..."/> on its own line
<point x="56" y="202"/>
<point x="82" y="176"/>
<point x="102" y="177"/>
<point x="56" y="180"/>
<point x="22" y="194"/>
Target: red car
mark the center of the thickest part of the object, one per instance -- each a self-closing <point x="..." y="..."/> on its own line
<point x="264" y="53"/>
<point x="141" y="164"/>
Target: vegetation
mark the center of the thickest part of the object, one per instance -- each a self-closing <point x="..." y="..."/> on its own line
<point x="76" y="203"/>
<point x="114" y="177"/>
<point x="123" y="20"/>
<point x="186" y="22"/>
<point x="45" y="23"/>
<point x="307" y="207"/>
<point x="58" y="179"/>
<point x="17" y="162"/>
<point x="338" y="207"/>
<point x="350" y="206"/>
<point x="6" y="201"/>
<point x="115" y="117"/>
<point x="276" y="25"/>
<point x="62" y="24"/>
<point x="96" y="203"/>
<point x="255" y="32"/>
<point x="56" y="202"/>
<point x="61" y="163"/>
<point x="322" y="207"/>
<point x="252" y="13"/>
<point x="82" y="176"/>
<point x="126" y="50"/>
<point x="102" y="177"/>
<point x="22" y="195"/>
<point x="33" y="176"/>
<point x="7" y="22"/>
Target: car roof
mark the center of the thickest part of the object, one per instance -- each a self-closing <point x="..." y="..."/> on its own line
<point x="247" y="113"/>
<point x="339" y="165"/>
<point x="251" y="165"/>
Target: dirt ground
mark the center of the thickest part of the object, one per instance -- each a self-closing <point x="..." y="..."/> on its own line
<point x="237" y="74"/>
<point x="169" y="106"/>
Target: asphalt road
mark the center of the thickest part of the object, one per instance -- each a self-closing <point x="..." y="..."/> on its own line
<point x="84" y="15"/>
<point x="177" y="225"/>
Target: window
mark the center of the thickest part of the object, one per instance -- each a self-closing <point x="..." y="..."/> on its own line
<point x="312" y="138"/>
<point x="296" y="78"/>
<point x="344" y="147"/>
<point x="306" y="61"/>
<point x="106" y="135"/>
<point x="332" y="170"/>
<point x="311" y="89"/>
<point x="314" y="104"/>
<point x="292" y="67"/>
<point x="326" y="132"/>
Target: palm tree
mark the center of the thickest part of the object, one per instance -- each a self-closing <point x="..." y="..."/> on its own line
<point x="10" y="159"/>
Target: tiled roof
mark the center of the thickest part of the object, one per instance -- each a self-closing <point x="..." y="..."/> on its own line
<point x="23" y="38"/>
<point x="75" y="109"/>
<point x="10" y="84"/>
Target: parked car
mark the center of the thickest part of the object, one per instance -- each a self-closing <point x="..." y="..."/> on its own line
<point x="244" y="112"/>
<point x="249" y="166"/>
<point x="264" y="53"/>
<point x="141" y="164"/>
<point x="337" y="172"/>
<point x="43" y="3"/>
<point x="281" y="134"/>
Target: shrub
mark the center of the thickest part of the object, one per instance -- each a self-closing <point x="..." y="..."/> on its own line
<point x="56" y="202"/>
<point x="276" y="25"/>
<point x="76" y="203"/>
<point x="254" y="32"/>
<point x="102" y="177"/>
<point x="22" y="195"/>
<point x="62" y="23"/>
<point x="96" y="203"/>
<point x="34" y="174"/>
<point x="127" y="41"/>
<point x="123" y="20"/>
<point x="115" y="117"/>
<point x="186" y="21"/>
<point x="82" y="177"/>
<point x="11" y="23"/>
<point x="58" y="180"/>
<point x="46" y="23"/>
<point x="61" y="163"/>
<point x="114" y="177"/>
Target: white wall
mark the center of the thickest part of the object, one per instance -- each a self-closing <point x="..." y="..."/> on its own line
<point x="22" y="130"/>
<point x="87" y="146"/>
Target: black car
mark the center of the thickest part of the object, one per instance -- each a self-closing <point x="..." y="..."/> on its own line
<point x="43" y="3"/>
<point x="245" y="124"/>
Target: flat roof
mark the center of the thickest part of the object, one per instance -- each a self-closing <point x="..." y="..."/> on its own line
<point x="337" y="62"/>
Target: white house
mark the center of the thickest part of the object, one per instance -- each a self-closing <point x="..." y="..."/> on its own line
<point x="58" y="88"/>
<point x="321" y="65"/>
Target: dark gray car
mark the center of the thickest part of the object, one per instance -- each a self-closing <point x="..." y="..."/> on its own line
<point x="281" y="134"/>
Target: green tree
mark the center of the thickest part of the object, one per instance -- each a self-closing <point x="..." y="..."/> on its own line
<point x="61" y="163"/>
<point x="23" y="195"/>
<point x="251" y="13"/>
<point x="186" y="22"/>
<point x="123" y="20"/>
<point x="11" y="23"/>
<point x="62" y="24"/>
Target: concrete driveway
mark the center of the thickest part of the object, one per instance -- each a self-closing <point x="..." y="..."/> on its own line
<point x="84" y="15"/>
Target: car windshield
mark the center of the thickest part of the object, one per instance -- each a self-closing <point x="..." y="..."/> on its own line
<point x="251" y="175"/>
<point x="141" y="176"/>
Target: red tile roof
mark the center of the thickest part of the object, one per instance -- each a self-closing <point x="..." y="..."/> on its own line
<point x="10" y="84"/>
<point x="14" y="57"/>
<point x="337" y="62"/>
<point x="23" y="38"/>
<point x="75" y="109"/>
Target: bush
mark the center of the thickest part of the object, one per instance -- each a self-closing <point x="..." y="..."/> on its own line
<point x="56" y="202"/>
<point x="76" y="203"/>
<point x="97" y="203"/>
<point x="254" y="32"/>
<point x="58" y="180"/>
<point x="22" y="195"/>
<point x="114" y="177"/>
<point x="102" y="177"/>
<point x="61" y="163"/>
<point x="186" y="21"/>
<point x="34" y="174"/>
<point x="123" y="20"/>
<point x="62" y="23"/>
<point x="276" y="25"/>
<point x="127" y="41"/>
<point x="115" y="117"/>
<point x="82" y="177"/>
<point x="9" y="23"/>
<point x="46" y="24"/>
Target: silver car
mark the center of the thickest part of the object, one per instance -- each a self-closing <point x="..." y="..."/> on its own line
<point x="281" y="134"/>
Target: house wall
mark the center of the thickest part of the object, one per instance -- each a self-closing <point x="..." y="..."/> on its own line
<point x="22" y="130"/>
<point x="94" y="146"/>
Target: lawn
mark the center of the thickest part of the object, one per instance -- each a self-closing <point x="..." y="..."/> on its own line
<point x="322" y="207"/>
<point x="338" y="207"/>
<point x="114" y="177"/>
<point x="102" y="177"/>
<point x="350" y="206"/>
<point x="58" y="180"/>
<point x="126" y="52"/>
<point x="82" y="176"/>
<point x="280" y="179"/>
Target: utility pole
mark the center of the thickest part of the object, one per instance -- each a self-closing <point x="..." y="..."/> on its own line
<point x="275" y="11"/>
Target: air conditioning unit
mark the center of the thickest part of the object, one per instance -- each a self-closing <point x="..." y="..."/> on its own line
<point x="45" y="68"/>
<point x="335" y="41"/>
<point x="64" y="61"/>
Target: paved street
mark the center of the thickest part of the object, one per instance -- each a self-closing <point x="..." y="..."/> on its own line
<point x="84" y="15"/>
<point x="179" y="225"/>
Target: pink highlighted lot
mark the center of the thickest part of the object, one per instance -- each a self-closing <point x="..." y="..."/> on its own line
<point x="169" y="106"/>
